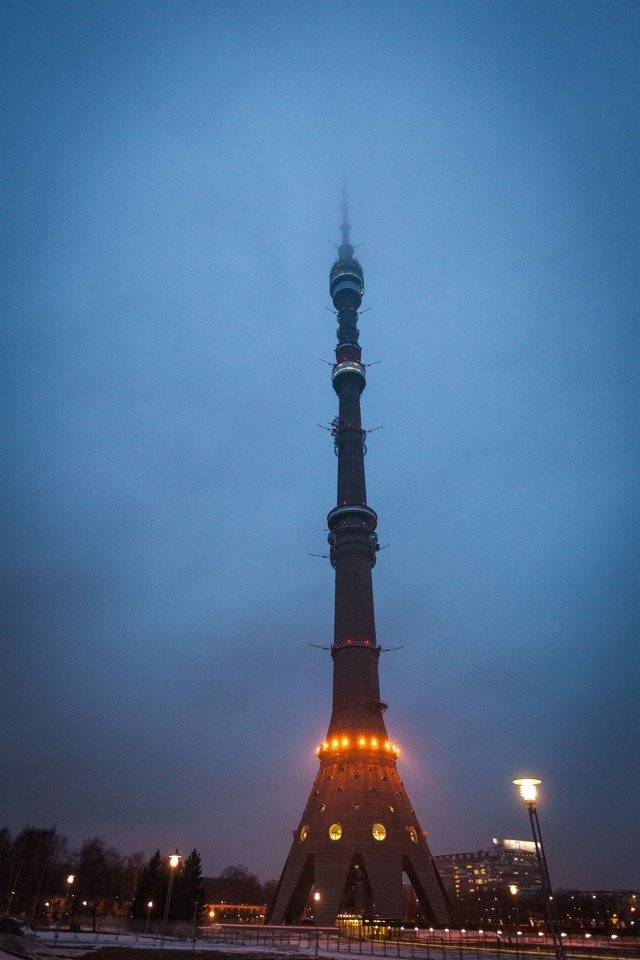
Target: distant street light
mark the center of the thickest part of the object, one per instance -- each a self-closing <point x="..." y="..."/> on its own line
<point x="149" y="909"/>
<point x="174" y="860"/>
<point x="514" y="890"/>
<point x="69" y="882"/>
<point x="528" y="787"/>
<point x="317" y="898"/>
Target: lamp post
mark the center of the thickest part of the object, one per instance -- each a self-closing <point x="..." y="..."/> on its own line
<point x="316" y="898"/>
<point x="174" y="860"/>
<point x="70" y="879"/>
<point x="149" y="909"/>
<point x="528" y="787"/>
<point x="514" y="890"/>
<point x="193" y="923"/>
<point x="69" y="882"/>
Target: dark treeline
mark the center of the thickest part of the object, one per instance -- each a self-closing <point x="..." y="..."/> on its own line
<point x="35" y="866"/>
<point x="237" y="885"/>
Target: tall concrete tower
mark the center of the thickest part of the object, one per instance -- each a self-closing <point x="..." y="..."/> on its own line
<point x="358" y="834"/>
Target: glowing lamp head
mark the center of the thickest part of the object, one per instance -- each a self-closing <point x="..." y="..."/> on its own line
<point x="345" y="741"/>
<point x="316" y="896"/>
<point x="71" y="878"/>
<point x="513" y="888"/>
<point x="528" y="787"/>
<point x="174" y="859"/>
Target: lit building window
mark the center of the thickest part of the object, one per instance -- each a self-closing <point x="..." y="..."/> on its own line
<point x="335" y="831"/>
<point x="379" y="832"/>
<point x="304" y="833"/>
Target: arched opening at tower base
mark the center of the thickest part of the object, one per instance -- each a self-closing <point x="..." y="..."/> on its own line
<point x="417" y="908"/>
<point x="355" y="903"/>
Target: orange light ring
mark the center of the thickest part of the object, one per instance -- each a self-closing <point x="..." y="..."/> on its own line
<point x="338" y="744"/>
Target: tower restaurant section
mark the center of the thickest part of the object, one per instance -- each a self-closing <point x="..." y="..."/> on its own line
<point x="359" y="836"/>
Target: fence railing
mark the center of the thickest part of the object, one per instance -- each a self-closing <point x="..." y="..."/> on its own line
<point x="424" y="945"/>
<point x="392" y="943"/>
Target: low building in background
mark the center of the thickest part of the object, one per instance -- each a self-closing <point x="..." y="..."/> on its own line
<point x="234" y="913"/>
<point x="502" y="887"/>
<point x="507" y="863"/>
<point x="495" y="887"/>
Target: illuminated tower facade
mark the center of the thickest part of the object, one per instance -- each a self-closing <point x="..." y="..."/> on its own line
<point x="358" y="835"/>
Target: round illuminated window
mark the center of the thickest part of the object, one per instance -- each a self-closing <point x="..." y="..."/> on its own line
<point x="378" y="831"/>
<point x="335" y="831"/>
<point x="304" y="833"/>
<point x="413" y="834"/>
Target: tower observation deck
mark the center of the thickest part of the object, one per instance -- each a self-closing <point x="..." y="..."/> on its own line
<point x="358" y="835"/>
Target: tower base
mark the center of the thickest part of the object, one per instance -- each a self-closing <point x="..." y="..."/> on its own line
<point x="357" y="837"/>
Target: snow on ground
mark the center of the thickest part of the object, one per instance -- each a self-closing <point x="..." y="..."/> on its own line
<point x="67" y="945"/>
<point x="64" y="945"/>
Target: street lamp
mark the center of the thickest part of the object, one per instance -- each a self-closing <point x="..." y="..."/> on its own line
<point x="69" y="882"/>
<point x="149" y="909"/>
<point x="174" y="860"/>
<point x="514" y="890"/>
<point x="317" y="898"/>
<point x="528" y="787"/>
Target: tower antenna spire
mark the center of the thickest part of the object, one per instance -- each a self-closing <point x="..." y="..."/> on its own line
<point x="345" y="223"/>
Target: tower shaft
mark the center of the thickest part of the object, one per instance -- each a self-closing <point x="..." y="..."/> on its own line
<point x="358" y="834"/>
<point x="352" y="523"/>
